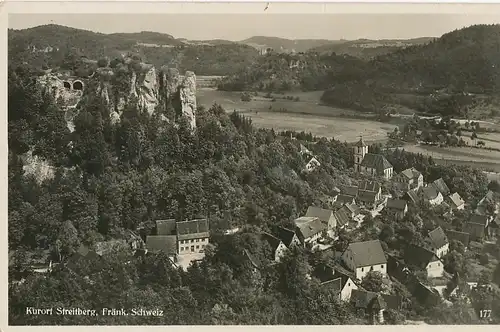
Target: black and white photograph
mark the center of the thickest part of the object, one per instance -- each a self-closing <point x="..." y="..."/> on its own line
<point x="262" y="168"/>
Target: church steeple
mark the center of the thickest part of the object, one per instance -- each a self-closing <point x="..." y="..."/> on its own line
<point x="360" y="149"/>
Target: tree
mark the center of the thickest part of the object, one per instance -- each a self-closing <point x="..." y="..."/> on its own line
<point x="373" y="281"/>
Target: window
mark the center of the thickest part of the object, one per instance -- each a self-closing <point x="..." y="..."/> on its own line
<point x="362" y="269"/>
<point x="197" y="247"/>
<point x="348" y="284"/>
<point x="382" y="266"/>
<point x="182" y="248"/>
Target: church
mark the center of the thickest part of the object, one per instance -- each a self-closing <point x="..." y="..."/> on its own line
<point x="370" y="163"/>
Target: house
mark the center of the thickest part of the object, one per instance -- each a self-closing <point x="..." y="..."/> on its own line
<point x="287" y="236"/>
<point x="455" y="201"/>
<point x="422" y="259"/>
<point x="346" y="214"/>
<point x="192" y="236"/>
<point x="370" y="163"/>
<point x="179" y="237"/>
<point x="342" y="217"/>
<point x="350" y="191"/>
<point x="342" y="285"/>
<point x="163" y="243"/>
<point x="489" y="200"/>
<point x="324" y="215"/>
<point x="344" y="199"/>
<point x="477" y="232"/>
<point x="369" y="194"/>
<point x="412" y="197"/>
<point x="374" y="304"/>
<point x="363" y="257"/>
<point x="397" y="208"/>
<point x="312" y="164"/>
<point x="309" y="229"/>
<point x="478" y="226"/>
<point x="278" y="248"/>
<point x="432" y="195"/>
<point x="462" y="237"/>
<point x="441" y="187"/>
<point x="437" y="242"/>
<point x="426" y="295"/>
<point x="409" y="179"/>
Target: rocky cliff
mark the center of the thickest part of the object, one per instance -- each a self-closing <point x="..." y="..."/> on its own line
<point x="133" y="80"/>
<point x="128" y="80"/>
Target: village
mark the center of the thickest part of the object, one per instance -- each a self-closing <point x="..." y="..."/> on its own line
<point x="419" y="267"/>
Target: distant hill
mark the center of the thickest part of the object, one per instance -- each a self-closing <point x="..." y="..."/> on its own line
<point x="57" y="46"/>
<point x="287" y="45"/>
<point x="368" y="49"/>
<point x="433" y="77"/>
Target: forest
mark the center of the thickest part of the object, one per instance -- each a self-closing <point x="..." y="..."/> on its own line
<point x="110" y="178"/>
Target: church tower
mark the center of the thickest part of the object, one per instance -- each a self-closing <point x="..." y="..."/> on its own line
<point x="360" y="149"/>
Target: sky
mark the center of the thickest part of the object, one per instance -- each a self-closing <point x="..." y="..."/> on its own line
<point x="241" y="26"/>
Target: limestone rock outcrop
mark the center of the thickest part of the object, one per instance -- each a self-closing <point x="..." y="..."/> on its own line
<point x="188" y="98"/>
<point x="128" y="79"/>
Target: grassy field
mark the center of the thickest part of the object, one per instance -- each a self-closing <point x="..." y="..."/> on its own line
<point x="480" y="158"/>
<point x="303" y="115"/>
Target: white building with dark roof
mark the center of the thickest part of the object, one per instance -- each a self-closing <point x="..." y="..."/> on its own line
<point x="364" y="257"/>
<point x="437" y="242"/>
<point x="409" y="179"/>
<point x="370" y="163"/>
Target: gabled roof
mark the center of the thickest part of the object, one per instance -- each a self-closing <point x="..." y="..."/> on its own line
<point x="458" y="236"/>
<point x="343" y="216"/>
<point x="311" y="228"/>
<point x="396" y="204"/>
<point x="336" y="281"/>
<point x="419" y="257"/>
<point x="411" y="173"/>
<point x="165" y="227"/>
<point x="479" y="219"/>
<point x="430" y="192"/>
<point x="164" y="243"/>
<point x="285" y="235"/>
<point x="476" y="230"/>
<point x="273" y="241"/>
<point x="367" y="196"/>
<point x="455" y="200"/>
<point x="441" y="186"/>
<point x="352" y="208"/>
<point x="323" y="214"/>
<point x="196" y="228"/>
<point x="369" y="186"/>
<point x="343" y="199"/>
<point x="367" y="253"/>
<point x="349" y="190"/>
<point x="438" y="238"/>
<point x="376" y="161"/>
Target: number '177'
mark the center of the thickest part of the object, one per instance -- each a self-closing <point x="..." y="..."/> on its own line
<point x="485" y="313"/>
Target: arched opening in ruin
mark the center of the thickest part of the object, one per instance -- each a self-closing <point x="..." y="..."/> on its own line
<point x="77" y="85"/>
<point x="67" y="85"/>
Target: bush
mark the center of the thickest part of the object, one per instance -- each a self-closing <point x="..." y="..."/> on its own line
<point x="483" y="259"/>
<point x="246" y="97"/>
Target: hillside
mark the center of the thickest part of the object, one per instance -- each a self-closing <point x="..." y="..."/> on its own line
<point x="279" y="72"/>
<point x="451" y="75"/>
<point x="287" y="45"/>
<point x="368" y="49"/>
<point x="54" y="46"/>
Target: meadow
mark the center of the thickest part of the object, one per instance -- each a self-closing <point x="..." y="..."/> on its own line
<point x="306" y="114"/>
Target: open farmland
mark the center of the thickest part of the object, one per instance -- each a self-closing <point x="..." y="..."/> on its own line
<point x="481" y="158"/>
<point x="303" y="115"/>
